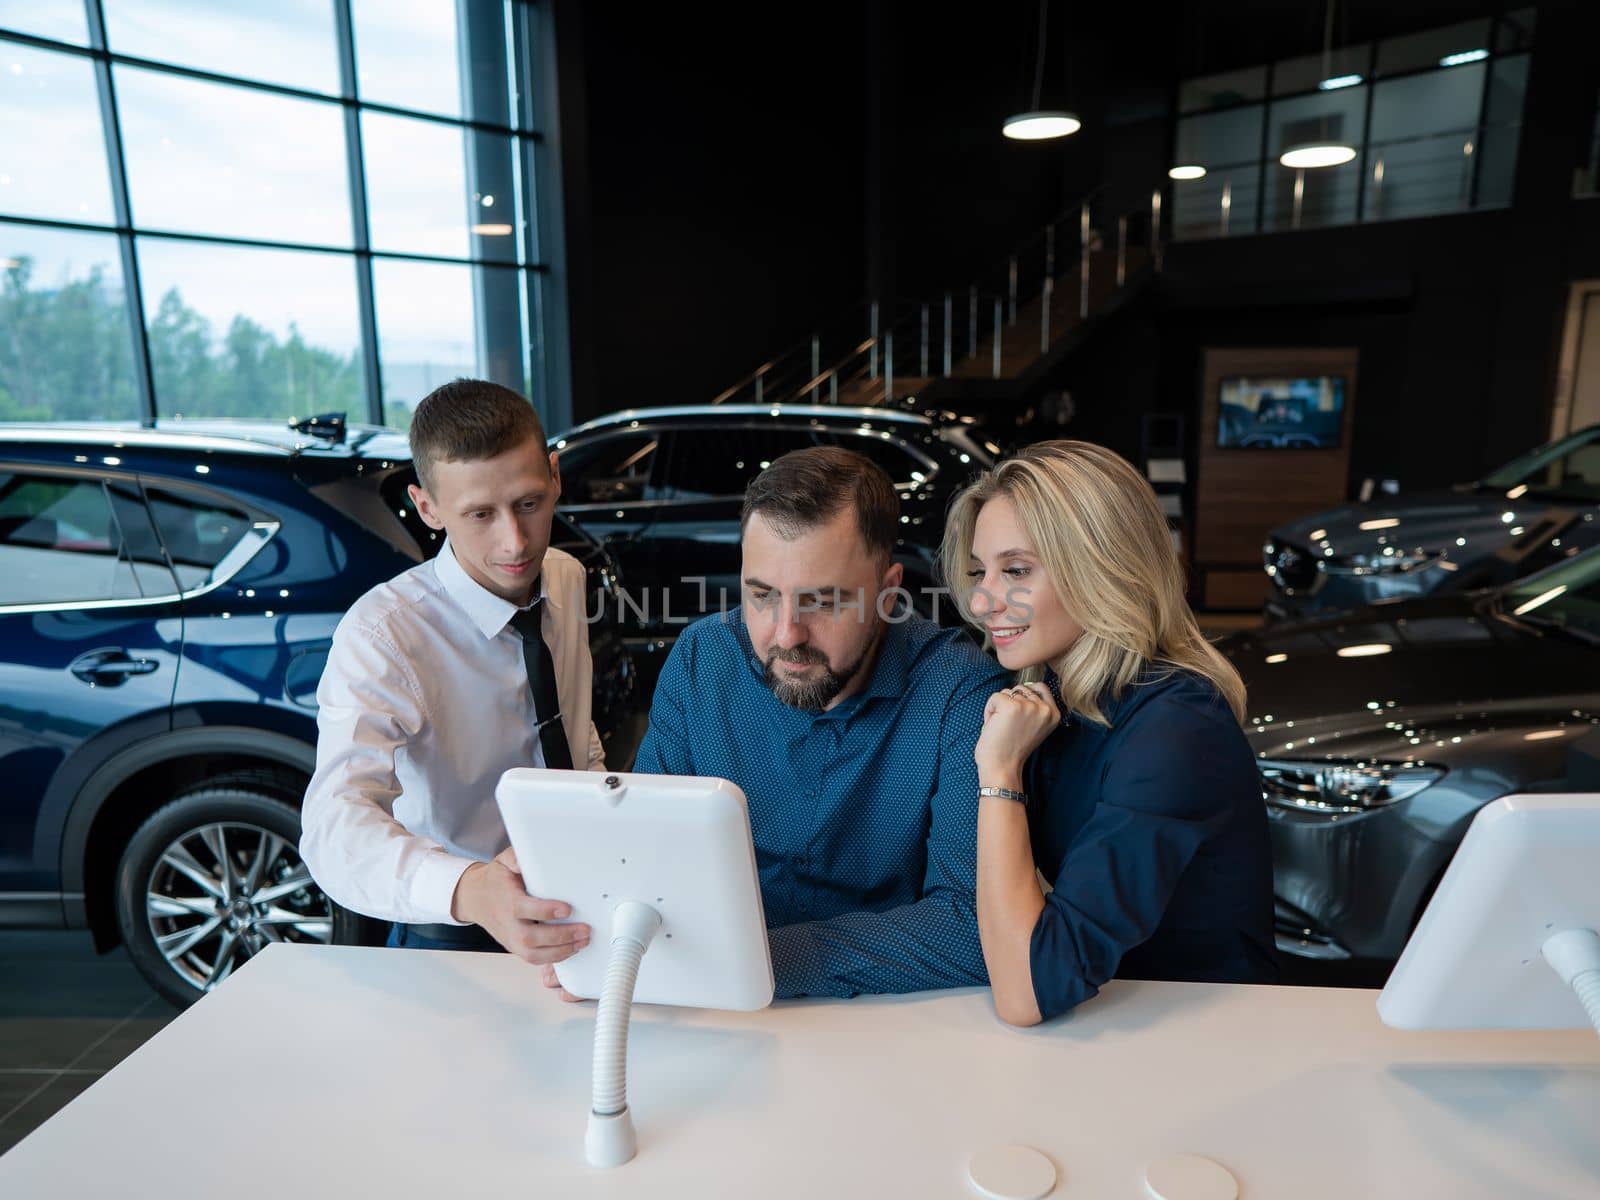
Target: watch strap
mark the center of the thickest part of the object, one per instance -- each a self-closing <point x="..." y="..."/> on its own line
<point x="1004" y="794"/>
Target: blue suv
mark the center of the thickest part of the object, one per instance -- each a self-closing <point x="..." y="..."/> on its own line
<point x="167" y="600"/>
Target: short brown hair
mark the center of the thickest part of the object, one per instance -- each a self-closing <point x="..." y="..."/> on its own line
<point x="468" y="419"/>
<point x="807" y="488"/>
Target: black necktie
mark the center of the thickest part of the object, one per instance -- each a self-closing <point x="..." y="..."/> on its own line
<point x="542" y="683"/>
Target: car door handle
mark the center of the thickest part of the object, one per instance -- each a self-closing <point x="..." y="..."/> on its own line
<point x="109" y="668"/>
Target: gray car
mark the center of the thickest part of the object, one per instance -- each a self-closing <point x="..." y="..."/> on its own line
<point x="1380" y="734"/>
<point x="1530" y="513"/>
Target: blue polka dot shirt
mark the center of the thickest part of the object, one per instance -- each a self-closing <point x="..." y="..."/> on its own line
<point x="864" y="817"/>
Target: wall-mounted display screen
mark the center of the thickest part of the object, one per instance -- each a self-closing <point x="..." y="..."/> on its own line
<point x="1280" y="414"/>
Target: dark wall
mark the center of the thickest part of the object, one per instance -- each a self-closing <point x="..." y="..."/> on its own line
<point x="1421" y="309"/>
<point x="755" y="169"/>
<point x="1457" y="317"/>
<point x="960" y="196"/>
<point x="724" y="152"/>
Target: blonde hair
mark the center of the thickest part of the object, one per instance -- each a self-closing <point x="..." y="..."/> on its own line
<point x="1102" y="540"/>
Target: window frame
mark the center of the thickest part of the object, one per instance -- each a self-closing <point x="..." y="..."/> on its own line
<point x="542" y="367"/>
<point x="1370" y="78"/>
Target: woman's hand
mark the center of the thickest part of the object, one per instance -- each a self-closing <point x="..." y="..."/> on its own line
<point x="1015" y="722"/>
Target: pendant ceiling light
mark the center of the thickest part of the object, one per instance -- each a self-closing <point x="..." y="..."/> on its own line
<point x="1040" y="124"/>
<point x="1189" y="170"/>
<point x="1311" y="155"/>
<point x="1325" y="151"/>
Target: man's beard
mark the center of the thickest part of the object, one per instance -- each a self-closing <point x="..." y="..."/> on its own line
<point x="812" y="695"/>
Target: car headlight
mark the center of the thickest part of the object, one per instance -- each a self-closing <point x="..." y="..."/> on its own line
<point x="1335" y="787"/>
<point x="1398" y="563"/>
<point x="1288" y="565"/>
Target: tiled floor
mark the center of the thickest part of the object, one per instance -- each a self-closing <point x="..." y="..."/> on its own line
<point x="67" y="1016"/>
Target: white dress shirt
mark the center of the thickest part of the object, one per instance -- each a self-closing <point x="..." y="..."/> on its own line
<point x="423" y="704"/>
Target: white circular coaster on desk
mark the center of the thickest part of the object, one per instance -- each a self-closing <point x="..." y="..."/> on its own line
<point x="1189" y="1177"/>
<point x="1012" y="1173"/>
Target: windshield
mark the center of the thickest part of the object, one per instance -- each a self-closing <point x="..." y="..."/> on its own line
<point x="1566" y="469"/>
<point x="1565" y="596"/>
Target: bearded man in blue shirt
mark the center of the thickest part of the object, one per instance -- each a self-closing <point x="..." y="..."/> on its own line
<point x="849" y="722"/>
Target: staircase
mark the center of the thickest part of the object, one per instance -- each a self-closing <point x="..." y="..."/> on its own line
<point x="992" y="339"/>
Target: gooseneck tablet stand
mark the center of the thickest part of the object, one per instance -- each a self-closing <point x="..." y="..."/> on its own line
<point x="650" y="862"/>
<point x="1575" y="955"/>
<point x="610" y="1140"/>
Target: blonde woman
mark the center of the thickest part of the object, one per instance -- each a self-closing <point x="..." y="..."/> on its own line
<point x="1115" y="764"/>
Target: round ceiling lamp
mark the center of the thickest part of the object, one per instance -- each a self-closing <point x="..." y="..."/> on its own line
<point x="1317" y="154"/>
<point x="1187" y="171"/>
<point x="1040" y="124"/>
<point x="1324" y="151"/>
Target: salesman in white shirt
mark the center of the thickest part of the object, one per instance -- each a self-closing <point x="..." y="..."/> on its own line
<point x="443" y="678"/>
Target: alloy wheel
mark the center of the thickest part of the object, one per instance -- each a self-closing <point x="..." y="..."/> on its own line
<point x="220" y="892"/>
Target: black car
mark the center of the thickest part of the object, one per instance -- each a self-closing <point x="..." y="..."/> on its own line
<point x="662" y="489"/>
<point x="167" y="601"/>
<point x="1530" y="513"/>
<point x="1380" y="734"/>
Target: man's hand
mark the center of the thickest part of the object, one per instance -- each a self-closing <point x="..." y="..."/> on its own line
<point x="492" y="895"/>
<point x="550" y="981"/>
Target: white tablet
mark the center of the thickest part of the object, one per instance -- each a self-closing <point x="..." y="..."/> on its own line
<point x="680" y="844"/>
<point x="1528" y="869"/>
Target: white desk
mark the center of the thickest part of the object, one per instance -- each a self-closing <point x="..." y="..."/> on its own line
<point x="340" y="1072"/>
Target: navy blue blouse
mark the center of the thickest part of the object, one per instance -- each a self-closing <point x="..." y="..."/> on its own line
<point x="1155" y="836"/>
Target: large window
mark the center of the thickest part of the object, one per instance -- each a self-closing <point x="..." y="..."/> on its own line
<point x="1433" y="118"/>
<point x="249" y="331"/>
<point x="67" y="349"/>
<point x="238" y="209"/>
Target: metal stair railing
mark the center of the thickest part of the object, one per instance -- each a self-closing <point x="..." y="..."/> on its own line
<point x="876" y="347"/>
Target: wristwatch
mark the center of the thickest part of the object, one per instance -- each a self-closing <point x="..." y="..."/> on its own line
<point x="1004" y="794"/>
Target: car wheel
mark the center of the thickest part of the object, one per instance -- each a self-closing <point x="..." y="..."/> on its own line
<point x="208" y="881"/>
